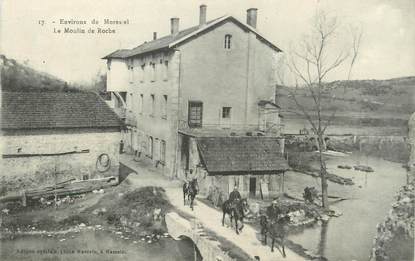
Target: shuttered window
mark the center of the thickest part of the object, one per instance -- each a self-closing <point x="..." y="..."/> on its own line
<point x="228" y="39"/>
<point x="163" y="151"/>
<point x="195" y="114"/>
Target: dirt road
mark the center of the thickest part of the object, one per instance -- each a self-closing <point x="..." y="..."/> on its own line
<point x="209" y="217"/>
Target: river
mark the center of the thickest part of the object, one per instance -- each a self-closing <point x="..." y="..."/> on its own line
<point x="91" y="243"/>
<point x="350" y="236"/>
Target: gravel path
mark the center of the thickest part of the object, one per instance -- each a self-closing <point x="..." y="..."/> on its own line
<point x="209" y="217"/>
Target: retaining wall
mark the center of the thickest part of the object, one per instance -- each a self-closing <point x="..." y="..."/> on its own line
<point x="208" y="247"/>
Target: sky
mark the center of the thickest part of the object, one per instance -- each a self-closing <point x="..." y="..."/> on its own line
<point x="387" y="49"/>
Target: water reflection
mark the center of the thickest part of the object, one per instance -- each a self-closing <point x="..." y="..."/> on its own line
<point x="323" y="238"/>
<point x="91" y="243"/>
<point x="350" y="236"/>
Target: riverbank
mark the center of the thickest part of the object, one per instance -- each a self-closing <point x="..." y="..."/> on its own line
<point x="307" y="163"/>
<point x="391" y="148"/>
<point x="123" y="208"/>
<point x="395" y="236"/>
<point x="94" y="244"/>
<point x="350" y="236"/>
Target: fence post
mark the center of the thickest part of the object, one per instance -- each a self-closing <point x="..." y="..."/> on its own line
<point x="24" y="203"/>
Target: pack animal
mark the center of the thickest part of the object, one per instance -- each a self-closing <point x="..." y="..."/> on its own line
<point x="190" y="190"/>
<point x="277" y="230"/>
<point x="236" y="210"/>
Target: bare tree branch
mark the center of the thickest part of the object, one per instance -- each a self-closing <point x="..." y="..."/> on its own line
<point x="357" y="37"/>
<point x="303" y="110"/>
<point x="312" y="63"/>
<point x="339" y="60"/>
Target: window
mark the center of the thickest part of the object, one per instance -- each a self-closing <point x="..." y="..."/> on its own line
<point x="195" y="114"/>
<point x="162" y="152"/>
<point x="130" y="102"/>
<point x="143" y="72"/>
<point x="109" y="64"/>
<point x="153" y="72"/>
<point x="164" y="107"/>
<point x="141" y="103"/>
<point x="130" y="70"/>
<point x="228" y="39"/>
<point x="226" y="112"/>
<point x="153" y="104"/>
<point x="150" y="147"/>
<point x="131" y="73"/>
<point x="134" y="102"/>
<point x="166" y="70"/>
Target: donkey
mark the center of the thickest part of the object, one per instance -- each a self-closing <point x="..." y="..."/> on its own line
<point x="190" y="189"/>
<point x="277" y="229"/>
<point x="235" y="210"/>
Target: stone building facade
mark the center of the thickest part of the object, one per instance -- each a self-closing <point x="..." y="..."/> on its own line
<point x="50" y="137"/>
<point x="214" y="79"/>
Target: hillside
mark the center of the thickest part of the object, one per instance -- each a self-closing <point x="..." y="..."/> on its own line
<point x="18" y="77"/>
<point x="378" y="103"/>
<point x="394" y="96"/>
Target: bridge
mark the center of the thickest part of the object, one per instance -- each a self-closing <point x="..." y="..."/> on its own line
<point x="204" y="226"/>
<point x="208" y="247"/>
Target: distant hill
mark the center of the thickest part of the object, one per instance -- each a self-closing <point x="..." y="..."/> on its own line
<point x="394" y="96"/>
<point x="381" y="103"/>
<point x="19" y="77"/>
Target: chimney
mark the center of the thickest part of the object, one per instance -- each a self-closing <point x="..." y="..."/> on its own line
<point x="174" y="22"/>
<point x="251" y="15"/>
<point x="202" y="15"/>
<point x="154" y="35"/>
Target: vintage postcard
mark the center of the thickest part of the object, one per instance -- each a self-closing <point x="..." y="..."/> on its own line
<point x="207" y="130"/>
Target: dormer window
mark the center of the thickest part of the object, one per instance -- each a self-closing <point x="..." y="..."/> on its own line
<point x="228" y="41"/>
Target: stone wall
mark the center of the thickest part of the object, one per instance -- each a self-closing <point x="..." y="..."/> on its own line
<point x="242" y="75"/>
<point x="393" y="148"/>
<point x="23" y="167"/>
<point x="209" y="248"/>
<point x="152" y="104"/>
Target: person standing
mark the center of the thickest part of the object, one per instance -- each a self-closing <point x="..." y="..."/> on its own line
<point x="121" y="147"/>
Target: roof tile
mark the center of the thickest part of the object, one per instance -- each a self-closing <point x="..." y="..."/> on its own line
<point x="241" y="154"/>
<point x="35" y="110"/>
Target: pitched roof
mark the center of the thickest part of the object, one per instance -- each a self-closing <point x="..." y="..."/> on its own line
<point x="120" y="53"/>
<point x="232" y="155"/>
<point x="38" y="110"/>
<point x="170" y="41"/>
<point x="265" y="102"/>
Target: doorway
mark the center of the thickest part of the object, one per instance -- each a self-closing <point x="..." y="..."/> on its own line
<point x="252" y="187"/>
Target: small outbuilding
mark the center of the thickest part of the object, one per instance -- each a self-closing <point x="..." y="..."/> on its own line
<point x="255" y="165"/>
<point x="51" y="137"/>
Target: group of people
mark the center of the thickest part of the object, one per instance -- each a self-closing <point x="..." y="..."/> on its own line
<point x="274" y="211"/>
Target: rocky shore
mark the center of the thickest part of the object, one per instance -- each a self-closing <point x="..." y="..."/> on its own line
<point x="395" y="236"/>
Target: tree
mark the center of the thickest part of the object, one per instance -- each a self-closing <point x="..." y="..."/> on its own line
<point x="316" y="56"/>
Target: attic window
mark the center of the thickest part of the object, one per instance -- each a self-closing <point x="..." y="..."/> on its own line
<point x="228" y="39"/>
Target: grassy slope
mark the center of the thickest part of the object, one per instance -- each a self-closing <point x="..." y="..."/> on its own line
<point x="393" y="100"/>
<point x="19" y="77"/>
